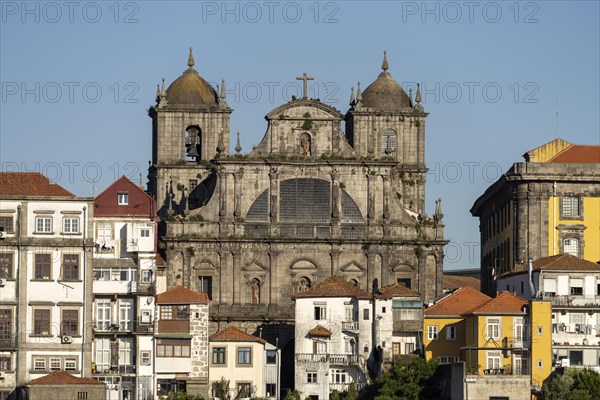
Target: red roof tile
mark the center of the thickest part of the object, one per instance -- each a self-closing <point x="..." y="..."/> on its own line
<point x="397" y="290"/>
<point x="181" y="295"/>
<point x="233" y="334"/>
<point x="457" y="281"/>
<point x="559" y="262"/>
<point x="457" y="302"/>
<point x="140" y="203"/>
<point x="505" y="303"/>
<point x="578" y="153"/>
<point x="29" y="184"/>
<point x="334" y="286"/>
<point x="319" y="331"/>
<point x="63" y="378"/>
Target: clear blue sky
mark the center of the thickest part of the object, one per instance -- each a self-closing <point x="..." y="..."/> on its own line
<point x="492" y="73"/>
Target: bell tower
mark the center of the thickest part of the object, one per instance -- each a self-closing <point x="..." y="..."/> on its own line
<point x="190" y="127"/>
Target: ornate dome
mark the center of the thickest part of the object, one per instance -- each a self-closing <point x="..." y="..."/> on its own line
<point x="385" y="94"/>
<point x="191" y="89"/>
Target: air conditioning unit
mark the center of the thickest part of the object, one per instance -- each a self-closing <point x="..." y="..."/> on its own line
<point x="66" y="339"/>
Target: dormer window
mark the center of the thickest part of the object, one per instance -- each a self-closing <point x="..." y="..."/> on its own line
<point x="123" y="198"/>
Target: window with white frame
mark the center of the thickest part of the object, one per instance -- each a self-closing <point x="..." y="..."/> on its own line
<point x="55" y="364"/>
<point x="71" y="225"/>
<point x="102" y="354"/>
<point x="105" y="231"/>
<point x="432" y="332"/>
<point x="147" y="276"/>
<point x="103" y="313"/>
<point x="122" y="198"/>
<point x="145" y="232"/>
<point x="6" y="224"/>
<point x="39" y="364"/>
<point x="320" y="313"/>
<point x="145" y="357"/>
<point x="451" y="332"/>
<point x="493" y="328"/>
<point x="43" y="224"/>
<point x="493" y="359"/>
<point x="125" y="351"/>
<point x="339" y="376"/>
<point x="576" y="287"/>
<point x="311" y="377"/>
<point x="70" y="364"/>
<point x="570" y="207"/>
<point x="571" y="246"/>
<point x="125" y="314"/>
<point x="519" y="330"/>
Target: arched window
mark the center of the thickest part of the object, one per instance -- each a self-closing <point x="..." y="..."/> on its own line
<point x="259" y="210"/>
<point x="193" y="143"/>
<point x="571" y="246"/>
<point x="350" y="211"/>
<point x="305" y="200"/>
<point x="389" y="143"/>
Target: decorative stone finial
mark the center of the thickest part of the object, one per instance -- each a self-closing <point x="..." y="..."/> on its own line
<point x="222" y="88"/>
<point x="358" y="94"/>
<point x="418" y="106"/>
<point x="438" y="215"/>
<point x="384" y="64"/>
<point x="191" y="62"/>
<point x="238" y="146"/>
<point x="163" y="91"/>
<point x="157" y="92"/>
<point x="352" y="100"/>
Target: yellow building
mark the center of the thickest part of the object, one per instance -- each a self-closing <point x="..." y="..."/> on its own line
<point x="504" y="342"/>
<point x="547" y="205"/>
<point x="444" y="329"/>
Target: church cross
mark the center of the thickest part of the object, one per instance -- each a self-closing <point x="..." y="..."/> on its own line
<point x="305" y="78"/>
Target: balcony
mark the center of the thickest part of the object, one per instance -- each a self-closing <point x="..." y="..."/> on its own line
<point x="507" y="370"/>
<point x="141" y="288"/>
<point x="336" y="359"/>
<point x="8" y="343"/>
<point x="123" y="327"/>
<point x="572" y="300"/>
<point x="343" y="387"/>
<point x="350" y="326"/>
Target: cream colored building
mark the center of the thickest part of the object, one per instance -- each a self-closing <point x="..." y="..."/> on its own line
<point x="249" y="363"/>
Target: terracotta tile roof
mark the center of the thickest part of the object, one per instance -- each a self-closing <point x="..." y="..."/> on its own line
<point x="181" y="295"/>
<point x="565" y="262"/>
<point x="457" y="303"/>
<point x="29" y="184"/>
<point x="233" y="334"/>
<point x="578" y="153"/>
<point x="334" y="286"/>
<point x="457" y="281"/>
<point x="505" y="303"/>
<point x="63" y="378"/>
<point x="319" y="331"/>
<point x="397" y="290"/>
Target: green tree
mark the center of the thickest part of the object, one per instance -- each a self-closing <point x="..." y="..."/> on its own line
<point x="405" y="381"/>
<point x="580" y="384"/>
<point x="292" y="395"/>
<point x="335" y="395"/>
<point x="352" y="392"/>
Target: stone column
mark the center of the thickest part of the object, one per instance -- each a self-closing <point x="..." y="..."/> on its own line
<point x="237" y="280"/>
<point x="237" y="208"/>
<point x="223" y="203"/>
<point x="273" y="199"/>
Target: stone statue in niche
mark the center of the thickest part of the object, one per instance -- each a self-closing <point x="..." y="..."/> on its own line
<point x="305" y="145"/>
<point x="303" y="284"/>
<point x="254" y="291"/>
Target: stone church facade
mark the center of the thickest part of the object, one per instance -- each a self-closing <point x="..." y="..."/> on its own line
<point x="310" y="201"/>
